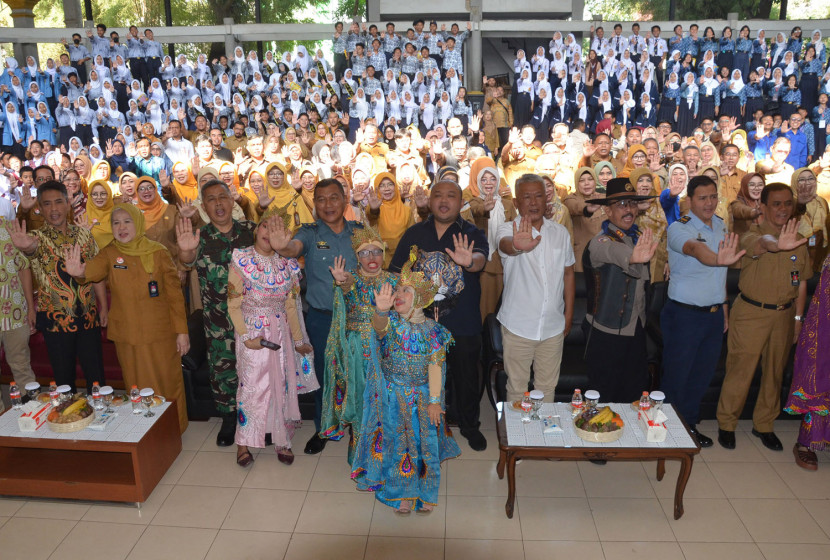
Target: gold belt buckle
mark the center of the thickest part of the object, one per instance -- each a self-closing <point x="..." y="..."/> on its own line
<point x="780" y="307"/>
<point x="713" y="309"/>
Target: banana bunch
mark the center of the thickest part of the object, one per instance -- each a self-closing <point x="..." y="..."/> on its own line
<point x="74" y="407"/>
<point x="602" y="417"/>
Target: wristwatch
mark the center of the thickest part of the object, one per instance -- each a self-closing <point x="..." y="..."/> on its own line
<point x="799" y="318"/>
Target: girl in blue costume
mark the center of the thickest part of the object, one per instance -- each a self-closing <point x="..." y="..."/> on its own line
<point x="353" y="378"/>
<point x="411" y="440"/>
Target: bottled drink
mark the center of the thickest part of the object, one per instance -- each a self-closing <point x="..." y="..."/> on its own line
<point x="576" y="402"/>
<point x="527" y="406"/>
<point x="135" y="399"/>
<point x="14" y="396"/>
<point x="645" y="403"/>
<point x="53" y="394"/>
<point x="96" y="396"/>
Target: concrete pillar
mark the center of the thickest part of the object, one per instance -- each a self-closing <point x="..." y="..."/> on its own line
<point x="230" y="40"/>
<point x="23" y="16"/>
<point x="72" y="14"/>
<point x="475" y="61"/>
<point x="373" y="12"/>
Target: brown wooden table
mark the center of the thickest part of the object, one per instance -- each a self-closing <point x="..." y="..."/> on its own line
<point x="113" y="471"/>
<point x="509" y="454"/>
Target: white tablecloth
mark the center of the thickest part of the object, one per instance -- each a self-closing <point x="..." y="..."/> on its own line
<point x="126" y="427"/>
<point x="531" y="434"/>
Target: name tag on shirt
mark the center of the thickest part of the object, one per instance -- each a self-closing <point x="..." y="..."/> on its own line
<point x="323" y="246"/>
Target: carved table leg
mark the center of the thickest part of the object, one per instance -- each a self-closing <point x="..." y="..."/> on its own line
<point x="511" y="485"/>
<point x="682" y="479"/>
<point x="661" y="469"/>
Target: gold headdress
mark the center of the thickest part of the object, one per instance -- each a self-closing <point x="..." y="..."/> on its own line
<point x="282" y="212"/>
<point x="425" y="288"/>
<point x="367" y="235"/>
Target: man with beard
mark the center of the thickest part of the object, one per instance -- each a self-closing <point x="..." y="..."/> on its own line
<point x="209" y="251"/>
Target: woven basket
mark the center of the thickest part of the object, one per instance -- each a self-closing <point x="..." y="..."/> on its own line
<point x="599" y="437"/>
<point x="71" y="426"/>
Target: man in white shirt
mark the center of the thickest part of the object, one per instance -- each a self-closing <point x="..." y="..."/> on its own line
<point x="176" y="146"/>
<point x="657" y="49"/>
<point x="538" y="298"/>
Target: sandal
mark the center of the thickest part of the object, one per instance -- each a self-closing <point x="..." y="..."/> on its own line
<point x="244" y="459"/>
<point x="805" y="458"/>
<point x="405" y="508"/>
<point x="425" y="509"/>
<point x="285" y="455"/>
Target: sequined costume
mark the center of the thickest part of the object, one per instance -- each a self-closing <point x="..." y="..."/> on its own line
<point x="266" y="292"/>
<point x="403" y="443"/>
<point x="352" y="363"/>
<point x="810" y="389"/>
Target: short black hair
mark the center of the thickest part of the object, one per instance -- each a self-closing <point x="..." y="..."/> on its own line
<point x="774" y="187"/>
<point x="47" y="168"/>
<point x="700" y="181"/>
<point x="56" y="186"/>
<point x="417" y="21"/>
<point x="727" y="146"/>
<point x="616" y="25"/>
<point x="101" y="26"/>
<point x="26" y="169"/>
<point x="322" y="184"/>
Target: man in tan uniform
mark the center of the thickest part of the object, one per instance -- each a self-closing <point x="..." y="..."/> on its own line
<point x="766" y="316"/>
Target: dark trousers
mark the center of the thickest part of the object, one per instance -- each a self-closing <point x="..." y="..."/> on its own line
<point x="318" y="325"/>
<point x="152" y="65"/>
<point x="617" y="365"/>
<point x="658" y="71"/>
<point x="81" y="70"/>
<point x="504" y="135"/>
<point x="692" y="343"/>
<point x="137" y="69"/>
<point x="340" y="64"/>
<point x="463" y="389"/>
<point x="66" y="347"/>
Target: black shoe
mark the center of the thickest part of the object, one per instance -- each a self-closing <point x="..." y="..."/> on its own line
<point x="703" y="441"/>
<point x="226" y="434"/>
<point x="315" y="445"/>
<point x="769" y="439"/>
<point x="599" y="461"/>
<point x="268" y="441"/>
<point x="726" y="439"/>
<point x="476" y="440"/>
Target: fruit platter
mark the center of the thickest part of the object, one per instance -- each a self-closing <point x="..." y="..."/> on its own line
<point x="71" y="416"/>
<point x="601" y="425"/>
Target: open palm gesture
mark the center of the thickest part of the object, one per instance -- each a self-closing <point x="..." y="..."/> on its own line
<point x="338" y="271"/>
<point x="523" y="239"/>
<point x="384" y="298"/>
<point x="463" y="252"/>
<point x="186" y="237"/>
<point x="72" y="261"/>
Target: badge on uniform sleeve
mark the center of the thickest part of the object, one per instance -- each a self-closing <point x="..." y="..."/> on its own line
<point x="794" y="277"/>
<point x="120" y="260"/>
<point x="153" y="287"/>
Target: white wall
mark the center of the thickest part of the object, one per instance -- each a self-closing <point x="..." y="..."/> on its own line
<point x="428" y="8"/>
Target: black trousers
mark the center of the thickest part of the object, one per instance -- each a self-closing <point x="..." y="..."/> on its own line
<point x="66" y="347"/>
<point x="617" y="365"/>
<point x="463" y="383"/>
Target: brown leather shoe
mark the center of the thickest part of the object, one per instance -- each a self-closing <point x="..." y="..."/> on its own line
<point x="805" y="458"/>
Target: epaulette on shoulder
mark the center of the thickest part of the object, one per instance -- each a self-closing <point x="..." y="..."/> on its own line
<point x="685" y="219"/>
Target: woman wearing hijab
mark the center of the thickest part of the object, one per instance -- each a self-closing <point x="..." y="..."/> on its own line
<point x="126" y="188"/>
<point x="745" y="210"/>
<point x="15" y="131"/>
<point x="651" y="216"/>
<point x="141" y="275"/>
<point x="733" y="97"/>
<point x="713" y="172"/>
<point x="388" y="212"/>
<point x="586" y="218"/>
<point x="637" y="157"/>
<point x="687" y="110"/>
<point x="523" y="111"/>
<point x="99" y="208"/>
<point x="675" y="193"/>
<point x="287" y="202"/>
<point x="760" y="51"/>
<point x="646" y="113"/>
<point x="488" y="205"/>
<point x="811" y="67"/>
<point x="813" y="212"/>
<point x="669" y="100"/>
<point x="605" y="171"/>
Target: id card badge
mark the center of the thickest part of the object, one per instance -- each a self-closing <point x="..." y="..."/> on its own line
<point x="794" y="277"/>
<point x="153" y="287"/>
<point x="812" y="241"/>
<point x="822" y="124"/>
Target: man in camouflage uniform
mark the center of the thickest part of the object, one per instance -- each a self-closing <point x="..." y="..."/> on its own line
<point x="209" y="251"/>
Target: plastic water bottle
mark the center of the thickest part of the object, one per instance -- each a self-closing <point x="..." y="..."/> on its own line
<point x="576" y="402"/>
<point x="527" y="406"/>
<point x="645" y="403"/>
<point x="135" y="399"/>
<point x="96" y="396"/>
<point x="54" y="396"/>
<point x="14" y="396"/>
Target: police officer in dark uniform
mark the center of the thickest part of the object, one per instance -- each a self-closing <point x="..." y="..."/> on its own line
<point x="616" y="278"/>
<point x="320" y="242"/>
<point x="695" y="316"/>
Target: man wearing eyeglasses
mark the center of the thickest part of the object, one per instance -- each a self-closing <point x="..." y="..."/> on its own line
<point x="616" y="277"/>
<point x="799" y="151"/>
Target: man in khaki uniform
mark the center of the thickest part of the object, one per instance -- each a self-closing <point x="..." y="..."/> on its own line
<point x="501" y="109"/>
<point x="766" y="316"/>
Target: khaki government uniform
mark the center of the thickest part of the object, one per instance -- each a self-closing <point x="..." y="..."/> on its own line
<point x="761" y="334"/>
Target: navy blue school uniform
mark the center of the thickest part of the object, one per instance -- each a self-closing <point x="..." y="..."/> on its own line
<point x="652" y="92"/>
<point x="541" y="122"/>
<point x="646" y="118"/>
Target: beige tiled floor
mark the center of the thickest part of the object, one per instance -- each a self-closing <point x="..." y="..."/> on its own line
<point x="746" y="504"/>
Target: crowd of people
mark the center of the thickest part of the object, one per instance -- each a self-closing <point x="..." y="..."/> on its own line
<point x="345" y="227"/>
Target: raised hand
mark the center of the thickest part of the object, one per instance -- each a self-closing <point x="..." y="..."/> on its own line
<point x="278" y="234"/>
<point x="463" y="252"/>
<point x="728" y="253"/>
<point x="164" y="179"/>
<point x="523" y="239"/>
<point x="72" y="261"/>
<point x="588" y="149"/>
<point x="645" y="248"/>
<point x="20" y="239"/>
<point x="788" y="238"/>
<point x="421" y="197"/>
<point x="27" y="201"/>
<point x="374" y="199"/>
<point x="384" y="298"/>
<point x="489" y="202"/>
<point x="186" y="237"/>
<point x="475" y="122"/>
<point x="186" y="208"/>
<point x="338" y="271"/>
<point x="82" y="220"/>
